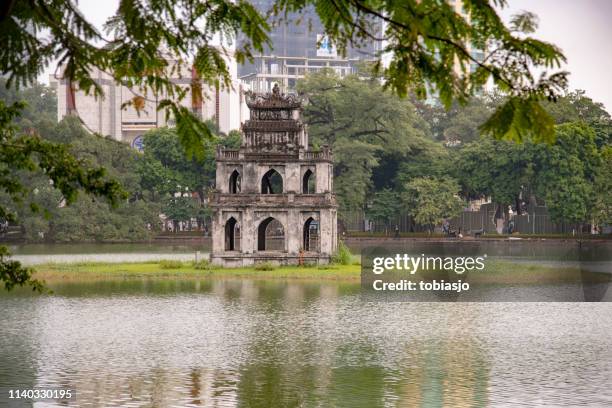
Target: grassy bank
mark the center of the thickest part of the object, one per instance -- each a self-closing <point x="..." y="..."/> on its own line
<point x="175" y="269"/>
<point x="495" y="272"/>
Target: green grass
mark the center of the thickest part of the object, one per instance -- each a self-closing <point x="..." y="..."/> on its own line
<point x="495" y="272"/>
<point x="505" y="272"/>
<point x="170" y="264"/>
<point x="100" y="271"/>
<point x="266" y="266"/>
<point x="343" y="255"/>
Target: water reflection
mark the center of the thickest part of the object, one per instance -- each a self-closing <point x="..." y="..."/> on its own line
<point x="241" y="343"/>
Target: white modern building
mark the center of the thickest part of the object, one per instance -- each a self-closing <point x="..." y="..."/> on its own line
<point x="106" y="116"/>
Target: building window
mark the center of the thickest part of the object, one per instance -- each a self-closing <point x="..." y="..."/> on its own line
<point x="234" y="182"/>
<point x="232" y="235"/>
<point x="138" y="143"/>
<point x="311" y="235"/>
<point x="308" y="182"/>
<point x="270" y="235"/>
<point x="272" y="183"/>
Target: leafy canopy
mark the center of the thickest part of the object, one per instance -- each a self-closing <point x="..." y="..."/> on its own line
<point x="431" y="200"/>
<point x="147" y="41"/>
<point x="567" y="172"/>
<point x="361" y="122"/>
<point x="426" y="41"/>
<point x="385" y="206"/>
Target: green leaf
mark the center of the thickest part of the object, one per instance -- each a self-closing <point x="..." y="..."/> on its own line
<point x="519" y="120"/>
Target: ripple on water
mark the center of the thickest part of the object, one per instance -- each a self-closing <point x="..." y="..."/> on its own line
<point x="262" y="344"/>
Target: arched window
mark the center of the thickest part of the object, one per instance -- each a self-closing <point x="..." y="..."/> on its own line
<point x="234" y="182"/>
<point x="311" y="235"/>
<point x="232" y="235"/>
<point x="272" y="183"/>
<point x="308" y="182"/>
<point x="270" y="235"/>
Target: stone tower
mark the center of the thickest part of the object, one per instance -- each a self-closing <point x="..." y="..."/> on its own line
<point x="273" y="199"/>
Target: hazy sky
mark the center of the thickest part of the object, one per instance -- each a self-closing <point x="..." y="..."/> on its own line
<point x="581" y="28"/>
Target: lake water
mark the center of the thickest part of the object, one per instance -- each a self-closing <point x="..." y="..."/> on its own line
<point x="243" y="343"/>
<point x="256" y="343"/>
<point x="35" y="254"/>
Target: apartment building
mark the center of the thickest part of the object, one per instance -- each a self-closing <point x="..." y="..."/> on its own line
<point x="108" y="117"/>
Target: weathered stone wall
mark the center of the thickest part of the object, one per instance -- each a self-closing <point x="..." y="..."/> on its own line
<point x="252" y="172"/>
<point x="293" y="221"/>
<point x="266" y="147"/>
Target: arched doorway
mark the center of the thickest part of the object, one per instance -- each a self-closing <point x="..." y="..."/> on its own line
<point x="234" y="182"/>
<point x="272" y="182"/>
<point x="270" y="235"/>
<point x="311" y="235"/>
<point x="308" y="182"/>
<point x="232" y="235"/>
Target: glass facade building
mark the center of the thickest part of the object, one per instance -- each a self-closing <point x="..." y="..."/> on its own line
<point x="299" y="46"/>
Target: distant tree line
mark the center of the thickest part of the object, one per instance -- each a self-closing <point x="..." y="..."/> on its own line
<point x="393" y="155"/>
<point x="160" y="180"/>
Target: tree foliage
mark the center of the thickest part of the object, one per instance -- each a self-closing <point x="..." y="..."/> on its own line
<point x="566" y="173"/>
<point x="360" y="121"/>
<point x="146" y="41"/>
<point x="496" y="169"/>
<point x="385" y="206"/>
<point x="430" y="200"/>
<point x="24" y="154"/>
<point x="166" y="170"/>
<point x="562" y="175"/>
<point x="576" y="106"/>
<point x="426" y="40"/>
<point x="602" y="207"/>
<point x="87" y="218"/>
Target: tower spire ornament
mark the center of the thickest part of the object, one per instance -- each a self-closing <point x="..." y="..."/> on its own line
<point x="274" y="199"/>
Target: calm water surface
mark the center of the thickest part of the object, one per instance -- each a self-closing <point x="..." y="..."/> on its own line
<point x="35" y="254"/>
<point x="242" y="343"/>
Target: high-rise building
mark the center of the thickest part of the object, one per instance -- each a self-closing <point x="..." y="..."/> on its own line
<point x="476" y="52"/>
<point x="299" y="46"/>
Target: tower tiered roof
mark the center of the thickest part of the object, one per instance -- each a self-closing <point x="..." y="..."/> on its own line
<point x="274" y="124"/>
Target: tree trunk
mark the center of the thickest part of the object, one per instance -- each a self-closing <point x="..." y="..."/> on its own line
<point x="500" y="218"/>
<point x="518" y="205"/>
